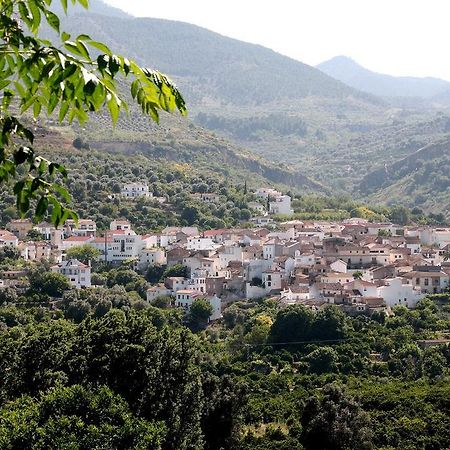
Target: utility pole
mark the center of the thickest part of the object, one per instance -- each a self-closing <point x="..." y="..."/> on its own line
<point x="106" y="247"/>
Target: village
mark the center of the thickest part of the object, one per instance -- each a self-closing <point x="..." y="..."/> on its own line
<point x="360" y="266"/>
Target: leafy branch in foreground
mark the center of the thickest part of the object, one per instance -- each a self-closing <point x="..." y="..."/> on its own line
<point x="37" y="76"/>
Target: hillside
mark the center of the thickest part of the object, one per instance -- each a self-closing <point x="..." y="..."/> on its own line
<point x="181" y="141"/>
<point x="419" y="180"/>
<point x="299" y="120"/>
<point x="98" y="169"/>
<point x="210" y="68"/>
<point x="351" y="73"/>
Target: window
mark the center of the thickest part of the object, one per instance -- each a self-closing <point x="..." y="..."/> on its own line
<point x="426" y="282"/>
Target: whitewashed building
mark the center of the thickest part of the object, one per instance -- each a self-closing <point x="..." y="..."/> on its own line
<point x="78" y="274"/>
<point x="133" y="190"/>
<point x="281" y="205"/>
<point x="152" y="257"/>
<point x="185" y="298"/>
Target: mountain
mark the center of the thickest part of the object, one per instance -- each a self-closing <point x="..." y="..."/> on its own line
<point x="210" y="67"/>
<point x="95" y="7"/>
<point x="277" y="118"/>
<point x="351" y="73"/>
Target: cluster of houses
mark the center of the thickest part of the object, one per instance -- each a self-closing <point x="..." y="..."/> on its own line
<point x="363" y="267"/>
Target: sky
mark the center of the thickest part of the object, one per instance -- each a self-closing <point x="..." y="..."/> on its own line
<point x="397" y="37"/>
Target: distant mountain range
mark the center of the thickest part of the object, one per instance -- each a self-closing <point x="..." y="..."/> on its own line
<point x="351" y="73"/>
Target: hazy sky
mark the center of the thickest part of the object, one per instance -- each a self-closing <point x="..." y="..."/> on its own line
<point x="399" y="37"/>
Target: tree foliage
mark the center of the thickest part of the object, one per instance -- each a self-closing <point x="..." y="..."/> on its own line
<point x="77" y="418"/>
<point x="335" y="422"/>
<point x="84" y="253"/>
<point x="73" y="79"/>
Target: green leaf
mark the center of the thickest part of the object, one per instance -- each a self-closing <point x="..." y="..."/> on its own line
<point x="63" y="111"/>
<point x="65" y="36"/>
<point x="4" y="83"/>
<point x="36" y="108"/>
<point x="62" y="192"/>
<point x="53" y="20"/>
<point x="135" y="85"/>
<point x="57" y="167"/>
<point x="25" y="14"/>
<point x="41" y="208"/>
<point x="73" y="48"/>
<point x="83" y="49"/>
<point x="36" y="15"/>
<point x="114" y="108"/>
<point x="64" y="5"/>
<point x="56" y="213"/>
<point x="100" y="46"/>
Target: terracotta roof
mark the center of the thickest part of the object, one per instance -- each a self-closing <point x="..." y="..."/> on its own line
<point x="78" y="239"/>
<point x="101" y="240"/>
<point x="425" y="274"/>
<point x="209" y="233"/>
<point x="299" y="289"/>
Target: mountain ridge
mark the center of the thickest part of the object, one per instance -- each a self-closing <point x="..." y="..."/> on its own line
<point x="348" y="71"/>
<point x="208" y="65"/>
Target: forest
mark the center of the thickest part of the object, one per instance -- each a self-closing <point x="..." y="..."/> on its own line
<point x="107" y="371"/>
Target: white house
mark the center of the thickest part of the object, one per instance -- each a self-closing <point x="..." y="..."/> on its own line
<point x="75" y="241"/>
<point x="133" y="190"/>
<point x="258" y="207"/>
<point x="7" y="239"/>
<point x="158" y="290"/>
<point x="281" y="205"/>
<point x="396" y="292"/>
<point x="152" y="257"/>
<point x="198" y="243"/>
<point x="430" y="280"/>
<point x="294" y="294"/>
<point x="120" y="225"/>
<point x="264" y="193"/>
<point x="125" y="246"/>
<point x="78" y="274"/>
<point x="432" y="236"/>
<point x="120" y="245"/>
<point x="185" y="298"/>
<point x="272" y="280"/>
<point x="46" y="229"/>
<point x="85" y="227"/>
<point x="198" y="280"/>
<point x="304" y="259"/>
<point x="262" y="221"/>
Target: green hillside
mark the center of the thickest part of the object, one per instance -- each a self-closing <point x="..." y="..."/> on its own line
<point x="420" y="180"/>
<point x="175" y="160"/>
<point x="292" y="115"/>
